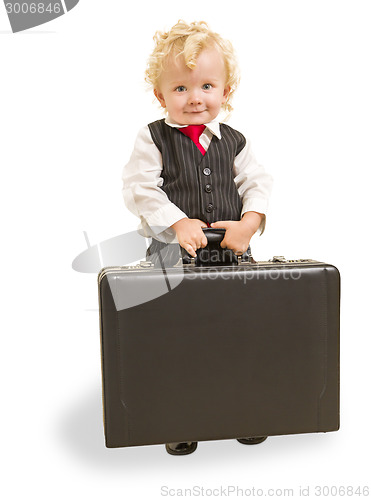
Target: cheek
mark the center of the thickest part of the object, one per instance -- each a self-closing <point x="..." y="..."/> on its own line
<point x="218" y="100"/>
<point x="179" y="102"/>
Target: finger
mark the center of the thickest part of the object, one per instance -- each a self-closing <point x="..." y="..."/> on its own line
<point x="202" y="223"/>
<point x="203" y="242"/>
<point x="239" y="251"/>
<point x="221" y="224"/>
<point x="223" y="243"/>
<point x="190" y="250"/>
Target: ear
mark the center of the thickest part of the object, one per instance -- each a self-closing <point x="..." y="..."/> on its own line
<point x="160" y="97"/>
<point x="226" y="93"/>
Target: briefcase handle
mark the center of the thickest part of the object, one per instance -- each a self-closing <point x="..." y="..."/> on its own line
<point x="212" y="254"/>
<point x="214" y="235"/>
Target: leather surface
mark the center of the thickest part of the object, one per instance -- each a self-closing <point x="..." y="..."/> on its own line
<point x="228" y="353"/>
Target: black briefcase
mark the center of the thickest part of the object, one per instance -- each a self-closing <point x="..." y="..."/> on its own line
<point x="204" y="352"/>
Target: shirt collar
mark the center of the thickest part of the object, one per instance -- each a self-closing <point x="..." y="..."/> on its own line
<point x="213" y="126"/>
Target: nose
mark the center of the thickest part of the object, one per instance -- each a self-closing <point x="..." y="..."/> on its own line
<point x="194" y="98"/>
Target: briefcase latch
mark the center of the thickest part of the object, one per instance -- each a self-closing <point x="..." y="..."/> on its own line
<point x="145" y="264"/>
<point x="279" y="258"/>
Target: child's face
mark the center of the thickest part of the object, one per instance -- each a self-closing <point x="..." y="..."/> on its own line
<point x="194" y="96"/>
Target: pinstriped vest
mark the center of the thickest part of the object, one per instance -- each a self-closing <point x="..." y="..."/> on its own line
<point x="202" y="187"/>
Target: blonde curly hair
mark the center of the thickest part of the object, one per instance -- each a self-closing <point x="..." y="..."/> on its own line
<point x="189" y="40"/>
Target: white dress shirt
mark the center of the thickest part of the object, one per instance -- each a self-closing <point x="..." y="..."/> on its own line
<point x="142" y="183"/>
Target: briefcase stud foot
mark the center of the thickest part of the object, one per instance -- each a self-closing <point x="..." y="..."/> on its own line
<point x="181" y="448"/>
<point x="252" y="440"/>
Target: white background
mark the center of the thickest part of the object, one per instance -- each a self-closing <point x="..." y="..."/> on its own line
<point x="72" y="101"/>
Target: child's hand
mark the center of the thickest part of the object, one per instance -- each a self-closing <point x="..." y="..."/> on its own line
<point x="238" y="233"/>
<point x="190" y="235"/>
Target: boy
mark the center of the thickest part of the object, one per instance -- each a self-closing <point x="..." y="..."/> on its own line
<point x="190" y="171"/>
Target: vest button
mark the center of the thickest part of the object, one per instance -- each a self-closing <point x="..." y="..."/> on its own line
<point x="208" y="188"/>
<point x="206" y="171"/>
<point x="209" y="208"/>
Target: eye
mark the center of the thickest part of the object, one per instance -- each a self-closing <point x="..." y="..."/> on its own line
<point x="181" y="88"/>
<point x="207" y="86"/>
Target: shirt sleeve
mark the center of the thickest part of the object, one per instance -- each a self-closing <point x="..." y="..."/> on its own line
<point x="254" y="184"/>
<point x="142" y="183"/>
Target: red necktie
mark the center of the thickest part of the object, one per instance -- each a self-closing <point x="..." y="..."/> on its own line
<point x="194" y="132"/>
